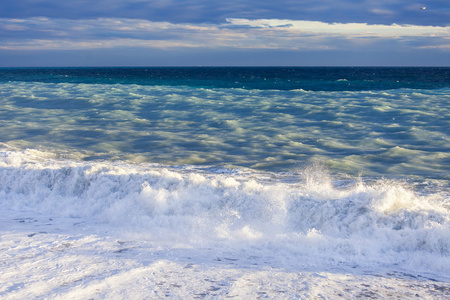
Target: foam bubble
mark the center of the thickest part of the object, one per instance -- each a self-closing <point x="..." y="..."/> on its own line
<point x="354" y="222"/>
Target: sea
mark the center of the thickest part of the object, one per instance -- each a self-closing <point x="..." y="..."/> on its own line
<point x="225" y="182"/>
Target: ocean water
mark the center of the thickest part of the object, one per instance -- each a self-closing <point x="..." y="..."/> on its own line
<point x="269" y="182"/>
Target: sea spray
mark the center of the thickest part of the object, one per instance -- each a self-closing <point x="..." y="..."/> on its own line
<point x="376" y="223"/>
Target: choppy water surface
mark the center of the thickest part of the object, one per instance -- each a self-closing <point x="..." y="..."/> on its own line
<point x="388" y="132"/>
<point x="334" y="166"/>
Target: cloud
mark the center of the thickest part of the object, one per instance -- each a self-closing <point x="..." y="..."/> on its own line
<point x="238" y="33"/>
<point x="207" y="11"/>
<point x="346" y="29"/>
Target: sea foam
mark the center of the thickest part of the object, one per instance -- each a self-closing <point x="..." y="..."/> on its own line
<point x="311" y="214"/>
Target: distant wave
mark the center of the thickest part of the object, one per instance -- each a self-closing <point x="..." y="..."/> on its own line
<point x="262" y="78"/>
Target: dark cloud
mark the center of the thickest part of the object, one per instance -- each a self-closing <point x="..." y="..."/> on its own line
<point x="207" y="11"/>
<point x="205" y="32"/>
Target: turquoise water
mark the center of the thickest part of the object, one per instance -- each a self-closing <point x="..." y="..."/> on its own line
<point x="329" y="167"/>
<point x="374" y="122"/>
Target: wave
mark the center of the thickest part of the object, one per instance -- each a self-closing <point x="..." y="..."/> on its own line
<point x="312" y="212"/>
<point x="268" y="130"/>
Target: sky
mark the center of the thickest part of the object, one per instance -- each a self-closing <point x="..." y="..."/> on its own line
<point x="224" y="33"/>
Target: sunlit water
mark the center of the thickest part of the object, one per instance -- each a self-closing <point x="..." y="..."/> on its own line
<point x="345" y="167"/>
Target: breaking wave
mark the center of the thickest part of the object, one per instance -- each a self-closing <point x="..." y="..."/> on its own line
<point x="310" y="213"/>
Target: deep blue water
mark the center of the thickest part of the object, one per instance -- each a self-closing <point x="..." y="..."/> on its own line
<point x="277" y="78"/>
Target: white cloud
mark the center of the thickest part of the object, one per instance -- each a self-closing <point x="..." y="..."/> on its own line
<point x="347" y="29"/>
<point x="60" y="34"/>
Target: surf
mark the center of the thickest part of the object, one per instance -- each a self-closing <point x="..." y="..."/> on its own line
<point x="355" y="220"/>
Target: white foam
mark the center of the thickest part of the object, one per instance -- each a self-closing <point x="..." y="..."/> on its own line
<point x="117" y="227"/>
<point x="361" y="220"/>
